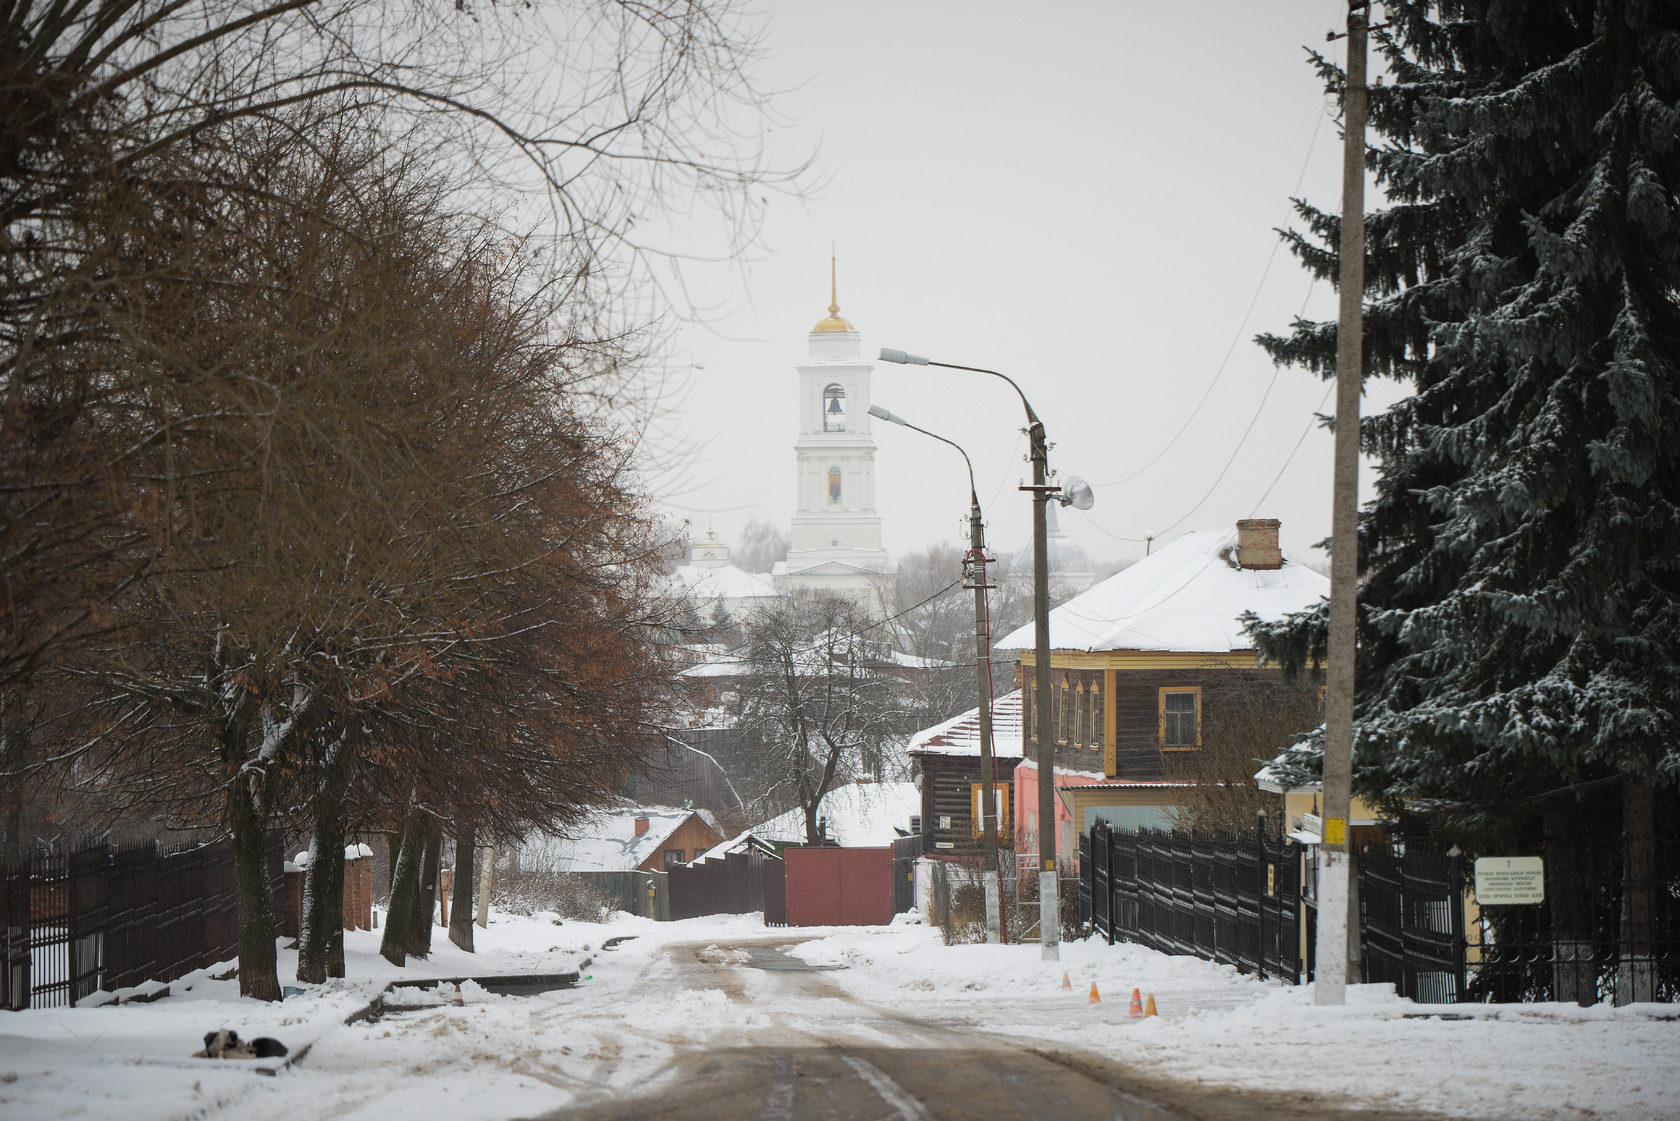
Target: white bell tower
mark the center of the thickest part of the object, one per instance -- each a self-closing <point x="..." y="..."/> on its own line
<point x="835" y="539"/>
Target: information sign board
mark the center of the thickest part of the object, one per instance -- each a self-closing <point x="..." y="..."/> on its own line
<point x="1502" y="880"/>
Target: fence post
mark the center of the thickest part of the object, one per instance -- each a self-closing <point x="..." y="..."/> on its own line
<point x="1455" y="912"/>
<point x="1260" y="893"/>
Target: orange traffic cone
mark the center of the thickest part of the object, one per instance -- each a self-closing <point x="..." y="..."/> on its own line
<point x="1137" y="1004"/>
<point x="1066" y="982"/>
<point x="1149" y="1009"/>
<point x="1094" y="998"/>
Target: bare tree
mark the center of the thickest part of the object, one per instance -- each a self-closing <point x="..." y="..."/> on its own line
<point x="1248" y="721"/>
<point x="818" y="705"/>
<point x="762" y="544"/>
<point x="615" y="109"/>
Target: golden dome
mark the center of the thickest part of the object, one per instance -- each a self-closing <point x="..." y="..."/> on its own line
<point x="833" y="322"/>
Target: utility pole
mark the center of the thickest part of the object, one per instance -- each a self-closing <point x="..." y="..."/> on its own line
<point x="983" y="658"/>
<point x="1335" y="871"/>
<point x="1048" y="914"/>
<point x="1049" y="917"/>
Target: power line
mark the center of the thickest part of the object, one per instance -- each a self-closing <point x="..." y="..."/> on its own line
<point x="1236" y="339"/>
<point x="1323" y="401"/>
<point x="1255" y="419"/>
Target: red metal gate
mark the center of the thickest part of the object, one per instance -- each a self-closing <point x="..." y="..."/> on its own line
<point x="839" y="887"/>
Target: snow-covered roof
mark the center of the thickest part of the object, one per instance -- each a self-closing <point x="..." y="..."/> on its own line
<point x="741" y="842"/>
<point x="858" y="815"/>
<point x="724" y="582"/>
<point x="960" y="735"/>
<point x="1186" y="596"/>
<point x="713" y="660"/>
<point x="607" y="841"/>
<point x="917" y="661"/>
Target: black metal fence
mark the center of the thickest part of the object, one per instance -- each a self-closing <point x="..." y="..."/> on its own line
<point x="1250" y="902"/>
<point x="1227" y="899"/>
<point x="103" y="918"/>
<point x="1412" y="929"/>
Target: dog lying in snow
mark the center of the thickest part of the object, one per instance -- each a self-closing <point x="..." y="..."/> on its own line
<point x="226" y="1044"/>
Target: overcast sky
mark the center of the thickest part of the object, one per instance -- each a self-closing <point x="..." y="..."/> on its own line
<point x="1081" y="195"/>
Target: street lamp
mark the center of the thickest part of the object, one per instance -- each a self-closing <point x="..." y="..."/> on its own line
<point x="1080" y="497"/>
<point x="983" y="651"/>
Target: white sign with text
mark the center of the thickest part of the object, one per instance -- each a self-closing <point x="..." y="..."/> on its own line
<point x="1510" y="880"/>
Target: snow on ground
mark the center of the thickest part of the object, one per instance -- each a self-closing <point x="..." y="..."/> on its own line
<point x="1217" y="1027"/>
<point x="645" y="1001"/>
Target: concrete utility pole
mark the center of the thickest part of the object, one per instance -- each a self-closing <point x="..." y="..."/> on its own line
<point x="983" y="657"/>
<point x="1335" y="871"/>
<point x="1049" y="918"/>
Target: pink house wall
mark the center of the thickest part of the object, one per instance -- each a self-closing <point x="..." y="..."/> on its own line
<point x="1026" y="801"/>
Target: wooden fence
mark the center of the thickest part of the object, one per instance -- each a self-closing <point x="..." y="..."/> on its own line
<point x="102" y="918"/>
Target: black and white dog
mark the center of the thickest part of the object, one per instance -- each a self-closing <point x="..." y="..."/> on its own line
<point x="226" y="1044"/>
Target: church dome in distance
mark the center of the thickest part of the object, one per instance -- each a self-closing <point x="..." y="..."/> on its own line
<point x="833" y="322"/>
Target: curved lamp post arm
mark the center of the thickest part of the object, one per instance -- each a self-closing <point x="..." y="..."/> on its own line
<point x="893" y="418"/>
<point x="989" y="824"/>
<point x="1044" y="756"/>
<point x="903" y="358"/>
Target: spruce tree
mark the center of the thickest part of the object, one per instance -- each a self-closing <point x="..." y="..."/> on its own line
<point x="1520" y="559"/>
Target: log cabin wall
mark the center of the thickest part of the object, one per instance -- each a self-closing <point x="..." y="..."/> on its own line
<point x="1130" y="713"/>
<point x="947" y="792"/>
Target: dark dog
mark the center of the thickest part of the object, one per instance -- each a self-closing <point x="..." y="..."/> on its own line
<point x="226" y="1044"/>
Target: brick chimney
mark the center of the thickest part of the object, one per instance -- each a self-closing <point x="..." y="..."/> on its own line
<point x="1257" y="543"/>
<point x="641" y="826"/>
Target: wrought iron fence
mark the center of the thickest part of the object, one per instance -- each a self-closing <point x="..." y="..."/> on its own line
<point x="1250" y="902"/>
<point x="108" y="918"/>
<point x="1227" y="899"/>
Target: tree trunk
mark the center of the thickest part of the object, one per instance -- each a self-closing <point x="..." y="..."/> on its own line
<point x="1574" y="977"/>
<point x="326" y="841"/>
<point x="405" y="885"/>
<point x="335" y="912"/>
<point x="425" y="900"/>
<point x="460" y="905"/>
<point x="259" y="969"/>
<point x="1636" y="974"/>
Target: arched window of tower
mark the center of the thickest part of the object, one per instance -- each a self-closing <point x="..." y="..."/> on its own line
<point x="834" y="408"/>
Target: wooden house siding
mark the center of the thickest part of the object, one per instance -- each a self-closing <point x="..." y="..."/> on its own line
<point x="1132" y="745"/>
<point x="692" y="837"/>
<point x="947" y="791"/>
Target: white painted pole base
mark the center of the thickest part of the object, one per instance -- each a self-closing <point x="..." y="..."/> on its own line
<point x="994" y="906"/>
<point x="1049" y="918"/>
<point x="487" y="865"/>
<point x="1330" y="965"/>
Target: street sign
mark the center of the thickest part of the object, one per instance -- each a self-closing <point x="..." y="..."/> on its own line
<point x="1504" y="880"/>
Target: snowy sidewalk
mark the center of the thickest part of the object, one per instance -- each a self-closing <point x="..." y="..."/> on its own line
<point x="134" y="1060"/>
<point x="1219" y="1028"/>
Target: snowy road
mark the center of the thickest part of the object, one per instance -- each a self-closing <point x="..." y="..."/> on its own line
<point x="822" y="1054"/>
<point x="721" y="1018"/>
